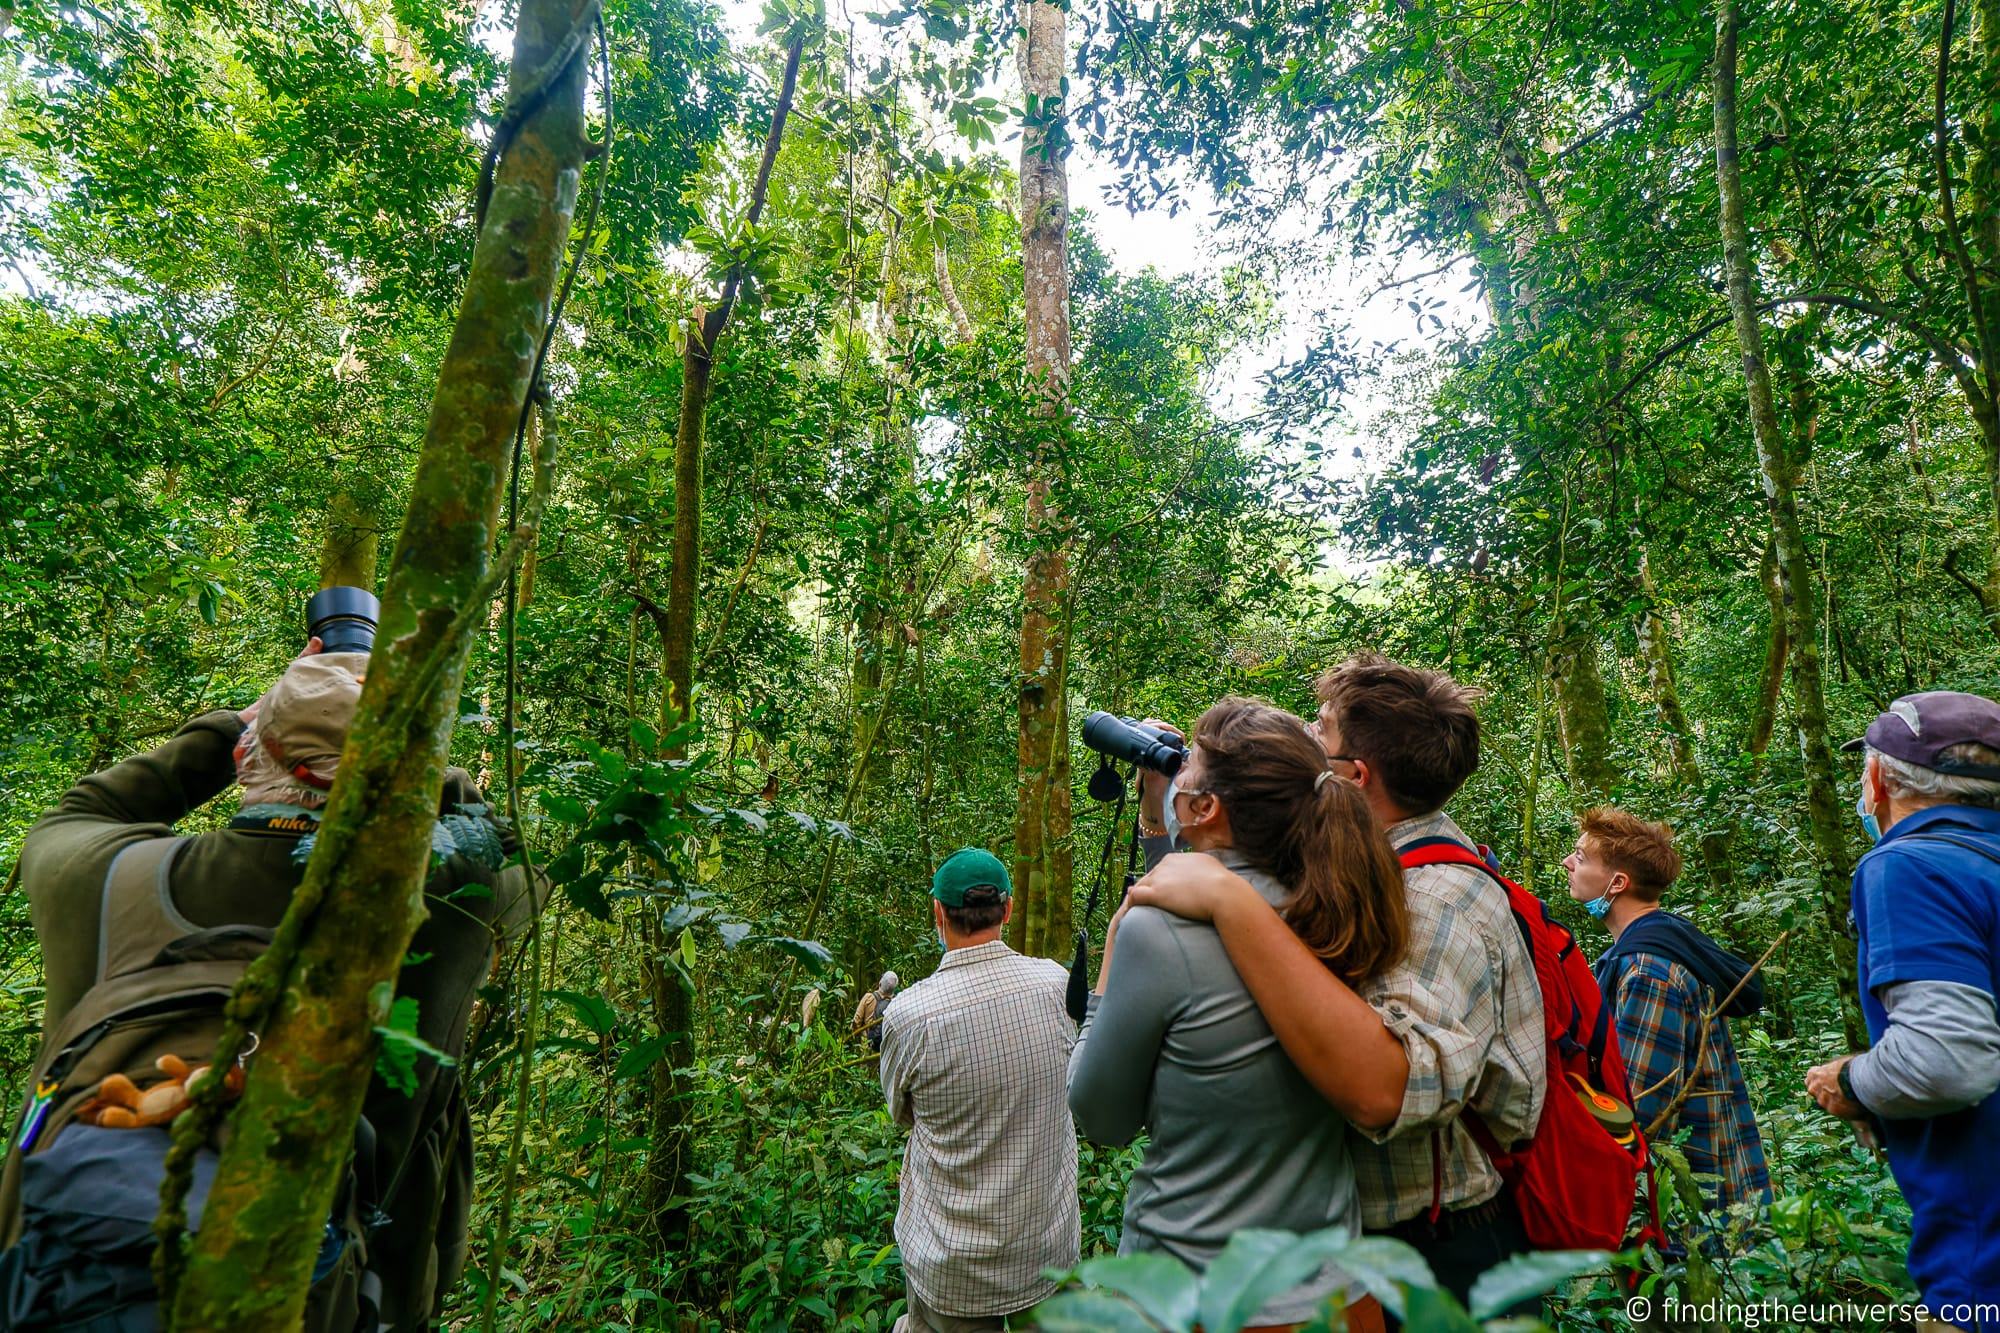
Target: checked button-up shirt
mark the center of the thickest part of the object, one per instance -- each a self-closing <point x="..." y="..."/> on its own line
<point x="1465" y="1004"/>
<point x="975" y="1062"/>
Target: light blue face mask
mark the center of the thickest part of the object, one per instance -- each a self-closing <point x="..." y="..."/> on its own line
<point x="1169" y="817"/>
<point x="1600" y="906"/>
<point x="1869" y="824"/>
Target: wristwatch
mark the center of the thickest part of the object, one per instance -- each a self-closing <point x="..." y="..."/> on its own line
<point x="1847" y="1085"/>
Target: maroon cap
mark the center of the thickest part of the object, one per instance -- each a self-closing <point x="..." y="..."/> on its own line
<point x="1920" y="727"/>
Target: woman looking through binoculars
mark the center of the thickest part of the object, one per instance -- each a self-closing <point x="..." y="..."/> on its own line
<point x="1173" y="1042"/>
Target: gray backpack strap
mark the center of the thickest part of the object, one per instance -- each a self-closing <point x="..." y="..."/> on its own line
<point x="137" y="917"/>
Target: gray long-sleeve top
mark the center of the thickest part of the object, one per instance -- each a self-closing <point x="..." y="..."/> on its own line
<point x="1941" y="1052"/>
<point x="1176" y="1046"/>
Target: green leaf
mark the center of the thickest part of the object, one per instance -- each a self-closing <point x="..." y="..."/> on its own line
<point x="595" y="1013"/>
<point x="1257" y="1265"/>
<point x="1531" y="1274"/>
<point x="587" y="893"/>
<point x="1158" y="1284"/>
<point x="812" y="953"/>
<point x="687" y="947"/>
<point x="1090" y="1312"/>
<point x="1384" y="1267"/>
<point x="396" y="1057"/>
<point x="641" y="1057"/>
<point x="1436" y="1312"/>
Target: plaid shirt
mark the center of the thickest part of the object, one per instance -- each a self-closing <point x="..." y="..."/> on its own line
<point x="1465" y="1004"/>
<point x="1657" y="1005"/>
<point x="975" y="1062"/>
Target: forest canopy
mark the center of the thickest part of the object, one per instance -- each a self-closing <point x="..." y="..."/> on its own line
<point x="865" y="460"/>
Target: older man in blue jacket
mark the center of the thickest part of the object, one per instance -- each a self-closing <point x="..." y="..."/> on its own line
<point x="1927" y="910"/>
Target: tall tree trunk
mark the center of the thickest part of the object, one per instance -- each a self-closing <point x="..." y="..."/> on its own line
<point x="290" y="1136"/>
<point x="1777" y="651"/>
<point x="1801" y="590"/>
<point x="668" y="990"/>
<point x="1041" y="922"/>
<point x="1585" y="715"/>
<point x="887" y="546"/>
<point x="347" y="552"/>
<point x="1656" y="649"/>
<point x="667" y="1150"/>
<point x="704" y="331"/>
<point x="961" y="322"/>
<point x="1976" y="250"/>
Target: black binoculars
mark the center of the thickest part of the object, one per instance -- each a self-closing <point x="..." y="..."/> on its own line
<point x="1134" y="742"/>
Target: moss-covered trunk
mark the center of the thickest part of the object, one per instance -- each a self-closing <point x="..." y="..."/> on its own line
<point x="347" y="553"/>
<point x="1656" y="649"/>
<point x="1801" y="590"/>
<point x="1585" y="715"/>
<point x="293" y="1130"/>
<point x="1041" y="922"/>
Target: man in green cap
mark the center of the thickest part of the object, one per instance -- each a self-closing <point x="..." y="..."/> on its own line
<point x="975" y="1061"/>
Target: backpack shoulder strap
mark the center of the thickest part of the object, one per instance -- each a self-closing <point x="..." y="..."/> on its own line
<point x="1440" y="852"/>
<point x="137" y="917"/>
<point x="1964" y="844"/>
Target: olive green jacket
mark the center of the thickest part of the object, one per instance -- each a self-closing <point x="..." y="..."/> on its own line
<point x="244" y="876"/>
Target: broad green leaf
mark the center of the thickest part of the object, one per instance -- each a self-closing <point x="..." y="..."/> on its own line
<point x="1090" y="1312"/>
<point x="1531" y="1274"/>
<point x="1384" y="1267"/>
<point x="640" y="1057"/>
<point x="812" y="953"/>
<point x="1158" y="1284"/>
<point x="1255" y="1266"/>
<point x="1436" y="1312"/>
<point x="396" y="1057"/>
<point x="591" y="1009"/>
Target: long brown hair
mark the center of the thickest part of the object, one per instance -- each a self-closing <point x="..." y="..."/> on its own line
<point x="1316" y="836"/>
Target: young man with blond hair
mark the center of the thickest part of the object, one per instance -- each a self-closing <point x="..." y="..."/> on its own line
<point x="1672" y="990"/>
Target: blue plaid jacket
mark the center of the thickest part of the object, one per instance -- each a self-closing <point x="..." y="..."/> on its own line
<point x="1657" y="1005"/>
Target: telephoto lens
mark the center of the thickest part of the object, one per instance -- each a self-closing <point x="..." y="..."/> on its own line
<point x="1134" y="742"/>
<point x="343" y="619"/>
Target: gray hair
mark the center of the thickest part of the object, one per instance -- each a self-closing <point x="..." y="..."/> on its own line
<point x="1930" y="787"/>
<point x="888" y="983"/>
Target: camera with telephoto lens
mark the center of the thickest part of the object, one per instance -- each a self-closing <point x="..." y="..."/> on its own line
<point x="343" y="619"/>
<point x="1134" y="742"/>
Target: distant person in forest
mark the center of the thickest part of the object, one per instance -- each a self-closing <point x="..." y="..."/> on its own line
<point x="1927" y="913"/>
<point x="973" y="1065"/>
<point x="1664" y="979"/>
<point x="128" y="915"/>
<point x="1173" y="1043"/>
<point x="868" y="1013"/>
<point x="1455" y="1026"/>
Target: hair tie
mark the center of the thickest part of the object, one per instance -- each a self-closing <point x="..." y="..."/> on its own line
<point x="1324" y="774"/>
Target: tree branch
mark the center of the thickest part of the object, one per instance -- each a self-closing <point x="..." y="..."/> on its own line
<point x="1968" y="272"/>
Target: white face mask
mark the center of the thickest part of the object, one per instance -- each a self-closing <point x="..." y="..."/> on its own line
<point x="1171" y="817"/>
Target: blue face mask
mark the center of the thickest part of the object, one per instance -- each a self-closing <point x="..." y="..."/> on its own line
<point x="1869" y="824"/>
<point x="1600" y="906"/>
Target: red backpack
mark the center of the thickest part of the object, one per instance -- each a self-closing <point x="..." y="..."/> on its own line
<point x="1575" y="1178"/>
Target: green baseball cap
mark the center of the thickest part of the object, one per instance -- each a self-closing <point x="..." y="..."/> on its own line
<point x="963" y="871"/>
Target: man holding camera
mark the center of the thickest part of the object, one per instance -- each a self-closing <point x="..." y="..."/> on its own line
<point x="975" y="1063"/>
<point x="143" y="932"/>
